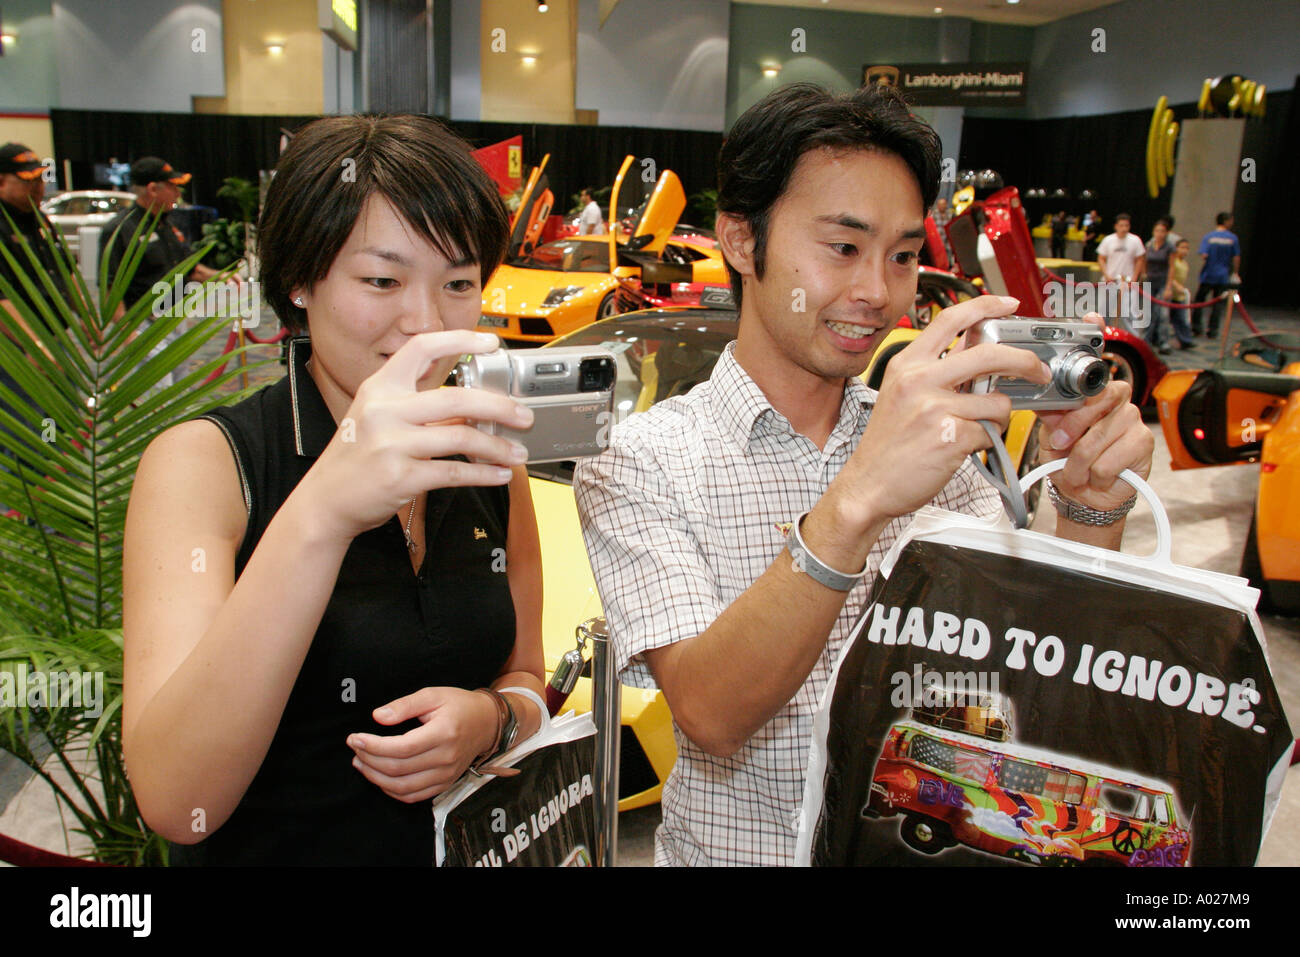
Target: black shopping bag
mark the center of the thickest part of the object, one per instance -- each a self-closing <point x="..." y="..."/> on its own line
<point x="1009" y="697"/>
<point x="545" y="816"/>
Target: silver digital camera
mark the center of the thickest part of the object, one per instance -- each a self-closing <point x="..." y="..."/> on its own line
<point x="570" y="390"/>
<point x="1072" y="350"/>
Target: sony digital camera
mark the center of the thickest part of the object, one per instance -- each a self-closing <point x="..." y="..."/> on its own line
<point x="1072" y="350"/>
<point x="570" y="390"/>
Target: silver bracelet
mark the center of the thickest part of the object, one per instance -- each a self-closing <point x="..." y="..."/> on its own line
<point x="817" y="570"/>
<point x="1083" y="515"/>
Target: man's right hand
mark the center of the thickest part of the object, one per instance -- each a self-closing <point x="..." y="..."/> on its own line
<point x="920" y="430"/>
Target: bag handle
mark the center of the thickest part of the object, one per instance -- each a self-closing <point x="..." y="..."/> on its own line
<point x="1164" y="534"/>
<point x="536" y="699"/>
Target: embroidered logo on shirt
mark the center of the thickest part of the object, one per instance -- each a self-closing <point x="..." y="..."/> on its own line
<point x="784" y="528"/>
<point x="479" y="533"/>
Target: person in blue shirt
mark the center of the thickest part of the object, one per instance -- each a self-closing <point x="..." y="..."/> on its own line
<point x="1221" y="252"/>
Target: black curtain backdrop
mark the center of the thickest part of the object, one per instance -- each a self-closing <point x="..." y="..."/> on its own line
<point x="398" y="67"/>
<point x="213" y="146"/>
<point x="1107" y="154"/>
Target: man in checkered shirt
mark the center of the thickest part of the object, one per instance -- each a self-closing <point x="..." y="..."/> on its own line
<point x="821" y="207"/>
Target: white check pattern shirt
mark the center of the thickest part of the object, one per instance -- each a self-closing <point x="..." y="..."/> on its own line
<point x="681" y="514"/>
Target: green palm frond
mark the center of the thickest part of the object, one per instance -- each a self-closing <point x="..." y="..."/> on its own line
<point x="68" y="456"/>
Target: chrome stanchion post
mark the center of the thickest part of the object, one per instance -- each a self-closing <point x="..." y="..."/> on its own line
<point x="1227" y="322"/>
<point x="606" y="702"/>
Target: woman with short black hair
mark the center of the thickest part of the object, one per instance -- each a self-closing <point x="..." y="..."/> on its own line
<point x="329" y="584"/>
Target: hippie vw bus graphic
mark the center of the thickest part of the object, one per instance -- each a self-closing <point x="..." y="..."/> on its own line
<point x="956" y="777"/>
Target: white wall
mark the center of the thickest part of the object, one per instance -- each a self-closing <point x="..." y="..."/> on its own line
<point x="139" y="55"/>
<point x="336" y="77"/>
<point x="28" y="80"/>
<point x="655" y="63"/>
<point x="466" y="94"/>
<point x="1156" y="47"/>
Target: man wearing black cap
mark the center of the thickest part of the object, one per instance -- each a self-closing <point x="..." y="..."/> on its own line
<point x="157" y="189"/>
<point x="21" y="190"/>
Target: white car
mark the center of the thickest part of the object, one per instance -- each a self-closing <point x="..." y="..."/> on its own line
<point x="84" y="207"/>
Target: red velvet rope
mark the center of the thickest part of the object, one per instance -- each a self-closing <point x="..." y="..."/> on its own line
<point x="233" y="338"/>
<point x="248" y="334"/>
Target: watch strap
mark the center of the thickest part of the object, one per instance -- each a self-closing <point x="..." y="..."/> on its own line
<point x="805" y="561"/>
<point x="1084" y="515"/>
<point x="507" y="732"/>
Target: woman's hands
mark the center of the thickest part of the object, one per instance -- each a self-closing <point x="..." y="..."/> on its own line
<point x="380" y="457"/>
<point x="456" y="727"/>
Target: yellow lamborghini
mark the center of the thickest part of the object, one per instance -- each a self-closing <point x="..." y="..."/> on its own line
<point x="545" y="291"/>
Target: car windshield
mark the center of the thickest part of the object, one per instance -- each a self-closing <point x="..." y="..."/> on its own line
<point x="664" y="355"/>
<point x="567" y="255"/>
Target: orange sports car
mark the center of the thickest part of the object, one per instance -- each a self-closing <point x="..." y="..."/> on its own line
<point x="1245" y="410"/>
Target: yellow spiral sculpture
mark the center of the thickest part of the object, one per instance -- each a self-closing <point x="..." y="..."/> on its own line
<point x="1161" y="136"/>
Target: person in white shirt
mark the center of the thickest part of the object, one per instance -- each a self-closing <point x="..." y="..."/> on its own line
<point x="1123" y="259"/>
<point x="686" y="514"/>
<point x="1121" y="255"/>
<point x="590" y="222"/>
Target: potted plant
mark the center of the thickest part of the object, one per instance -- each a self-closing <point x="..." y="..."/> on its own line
<point x="96" y="396"/>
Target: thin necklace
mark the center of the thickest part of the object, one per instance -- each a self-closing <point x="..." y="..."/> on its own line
<point x="410" y="542"/>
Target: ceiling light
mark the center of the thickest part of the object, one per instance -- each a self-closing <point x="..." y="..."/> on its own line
<point x="542" y="6"/>
<point x="275" y="47"/>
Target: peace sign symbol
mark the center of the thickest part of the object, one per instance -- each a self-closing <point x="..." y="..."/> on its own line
<point x="1126" y="839"/>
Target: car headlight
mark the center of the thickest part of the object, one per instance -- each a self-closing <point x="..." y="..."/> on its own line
<point x="561" y="293"/>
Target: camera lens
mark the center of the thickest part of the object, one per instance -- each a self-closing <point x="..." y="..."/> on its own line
<point x="595" y="375"/>
<point x="1081" y="374"/>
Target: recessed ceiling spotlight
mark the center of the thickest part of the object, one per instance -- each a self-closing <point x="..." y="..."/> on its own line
<point x="542" y="6"/>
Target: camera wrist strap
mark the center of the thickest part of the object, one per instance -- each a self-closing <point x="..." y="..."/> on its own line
<point x="1008" y="483"/>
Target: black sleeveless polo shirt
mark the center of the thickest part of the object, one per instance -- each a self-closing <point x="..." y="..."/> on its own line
<point x="385" y="633"/>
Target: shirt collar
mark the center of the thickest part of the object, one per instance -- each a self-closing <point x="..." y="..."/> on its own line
<point x="741" y="403"/>
<point x="313" y="426"/>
